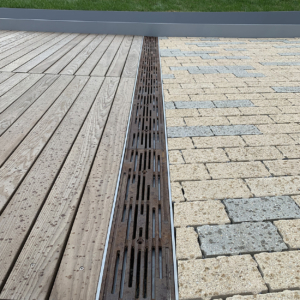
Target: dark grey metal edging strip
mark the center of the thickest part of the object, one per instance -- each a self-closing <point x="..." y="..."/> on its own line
<point x="227" y="24"/>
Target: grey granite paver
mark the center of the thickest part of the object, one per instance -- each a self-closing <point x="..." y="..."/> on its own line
<point x="174" y="132"/>
<point x="169" y="105"/>
<point x="262" y="209"/>
<point x="168" y="76"/>
<point x="234" y="130"/>
<point x="194" y="104"/>
<point x="233" y="103"/>
<point x="239" y="238"/>
<point x="286" y="89"/>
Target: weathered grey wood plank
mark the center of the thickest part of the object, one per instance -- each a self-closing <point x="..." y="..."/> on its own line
<point x="17" y="40"/>
<point x="88" y="235"/>
<point x="117" y="65"/>
<point x="44" y="246"/>
<point x="11" y="82"/>
<point x="16" y="133"/>
<point x="60" y="64"/>
<point x="6" y="39"/>
<point x="22" y="210"/>
<point x="104" y="63"/>
<point x="17" y="91"/>
<point x="22" y="60"/>
<point x="5" y="76"/>
<point x="45" y="54"/>
<point x="131" y="65"/>
<point x="73" y="66"/>
<point x="47" y="63"/>
<point x="91" y="62"/>
<point x="11" y="114"/>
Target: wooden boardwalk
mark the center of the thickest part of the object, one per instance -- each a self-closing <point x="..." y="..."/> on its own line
<point x="64" y="107"/>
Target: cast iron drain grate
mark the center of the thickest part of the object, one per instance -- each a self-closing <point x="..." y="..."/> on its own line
<point x="139" y="262"/>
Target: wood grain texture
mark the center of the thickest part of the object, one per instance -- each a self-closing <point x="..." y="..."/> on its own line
<point x="47" y="63"/>
<point x="5" y="76"/>
<point x="45" y="54"/>
<point x="104" y="63"/>
<point x="132" y="61"/>
<point x="11" y="82"/>
<point x="11" y="114"/>
<point x="10" y="56"/>
<point x="22" y="60"/>
<point x="21" y="160"/>
<point x="75" y="64"/>
<point x="17" y="91"/>
<point x="88" y="235"/>
<point x="60" y="64"/>
<point x="117" y="65"/>
<point x="7" y="38"/>
<point x="19" y="216"/>
<point x="36" y="265"/>
<point x="16" y="133"/>
<point x="93" y="59"/>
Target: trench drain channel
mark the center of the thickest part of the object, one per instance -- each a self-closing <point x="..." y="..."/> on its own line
<point x="139" y="262"/>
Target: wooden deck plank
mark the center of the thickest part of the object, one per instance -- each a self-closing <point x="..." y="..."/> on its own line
<point x="15" y="168"/>
<point x="13" y="38"/>
<point x="16" y="40"/>
<point x="87" y="239"/>
<point x="16" y="133"/>
<point x="73" y="66"/>
<point x="45" y="54"/>
<point x="10" y="56"/>
<point x="117" y="65"/>
<point x="4" y="76"/>
<point x="17" y="91"/>
<point x="133" y="58"/>
<point x="11" y="114"/>
<point x="104" y="63"/>
<point x="45" y="251"/>
<point x="47" y="63"/>
<point x="11" y="82"/>
<point x="91" y="62"/>
<point x="22" y="60"/>
<point x="19" y="216"/>
<point x="60" y="64"/>
<point x="6" y="38"/>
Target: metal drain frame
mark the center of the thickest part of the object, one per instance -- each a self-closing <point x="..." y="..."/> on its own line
<point x="134" y="210"/>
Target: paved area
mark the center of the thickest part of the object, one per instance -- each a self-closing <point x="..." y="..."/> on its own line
<point x="64" y="107"/>
<point x="233" y="122"/>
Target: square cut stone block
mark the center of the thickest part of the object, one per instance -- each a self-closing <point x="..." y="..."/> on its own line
<point x="176" y="192"/>
<point x="237" y="170"/>
<point x="222" y="276"/>
<point x="215" y="189"/>
<point x="188" y="172"/>
<point x="286" y="295"/>
<point x="280" y="270"/>
<point x="187" y="245"/>
<point x="262" y="209"/>
<point x="218" y="141"/>
<point x="204" y="155"/>
<point x="174" y="132"/>
<point x="199" y="213"/>
<point x="239" y="238"/>
<point x="234" y="130"/>
<point x="290" y="231"/>
<point x="180" y="143"/>
<point x="175" y="157"/>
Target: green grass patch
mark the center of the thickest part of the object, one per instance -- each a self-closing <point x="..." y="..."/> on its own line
<point x="158" y="5"/>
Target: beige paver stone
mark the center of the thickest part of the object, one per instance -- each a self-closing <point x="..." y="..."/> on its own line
<point x="268" y="139"/>
<point x="218" y="141"/>
<point x="279" y="128"/>
<point x="286" y="118"/>
<point x="266" y="110"/>
<point x="180" y="143"/>
<point x="169" y="98"/>
<point x="206" y="121"/>
<point x="297" y="199"/>
<point x="198" y="213"/>
<point x="177" y="113"/>
<point x="271" y="102"/>
<point x="293" y="109"/>
<point x="207" y="97"/>
<point x="212" y="112"/>
<point x="175" y="157"/>
<point x="292" y="151"/>
<point x="186" y="91"/>
<point x="290" y="232"/>
<point x="237" y="170"/>
<point x="276" y="186"/>
<point x="285" y="295"/>
<point x="260" y="119"/>
<point x="204" y="155"/>
<point x="176" y="192"/>
<point x="188" y="172"/>
<point x="256" y="90"/>
<point x="187" y="246"/>
<point x="280" y="269"/>
<point x="215" y="189"/>
<point x="295" y="137"/>
<point x="221" y="276"/>
<point x="244" y="96"/>
<point x="253" y="153"/>
<point x="284" y="167"/>
<point x="175" y="122"/>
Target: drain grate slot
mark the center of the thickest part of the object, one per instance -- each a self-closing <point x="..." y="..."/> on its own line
<point x="138" y="264"/>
